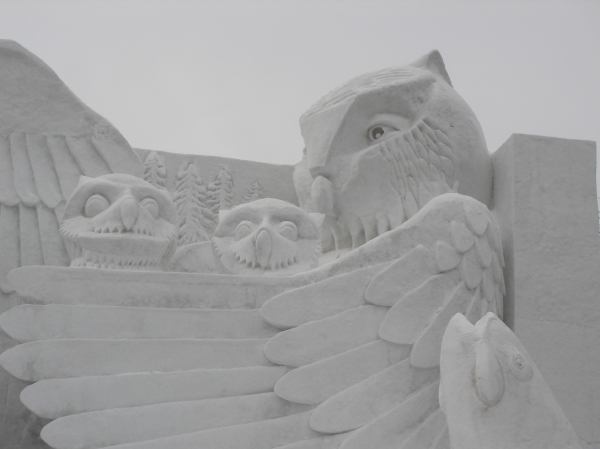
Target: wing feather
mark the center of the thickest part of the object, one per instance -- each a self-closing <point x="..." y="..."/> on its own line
<point x="425" y="435"/>
<point x="8" y="194"/>
<point x="311" y="384"/>
<point x="320" y="300"/>
<point x="130" y="425"/>
<point x="470" y="269"/>
<point x="425" y="352"/>
<point x="31" y="245"/>
<point x="27" y="323"/>
<point x="401" y="277"/>
<point x="411" y="314"/>
<point x="328" y="442"/>
<point x="371" y="398"/>
<point x="9" y="244"/>
<point x="53" y="247"/>
<point x="44" y="174"/>
<point x="67" y="170"/>
<point x="23" y="174"/>
<point x="442" y="441"/>
<point x="392" y="429"/>
<point x="117" y="160"/>
<point x="321" y="339"/>
<point x="54" y="359"/>
<point x="54" y="398"/>
<point x="267" y="434"/>
<point x="89" y="162"/>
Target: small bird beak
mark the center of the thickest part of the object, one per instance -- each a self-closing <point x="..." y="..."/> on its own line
<point x="263" y="246"/>
<point x="129" y="213"/>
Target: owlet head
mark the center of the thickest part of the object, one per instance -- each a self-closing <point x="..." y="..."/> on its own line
<point x="267" y="236"/>
<point x="119" y="221"/>
<point x="382" y="145"/>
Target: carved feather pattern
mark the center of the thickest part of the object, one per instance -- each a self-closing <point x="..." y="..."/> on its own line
<point x="38" y="174"/>
<point x="348" y="361"/>
<point x="420" y="292"/>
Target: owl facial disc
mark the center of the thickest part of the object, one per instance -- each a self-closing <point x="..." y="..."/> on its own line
<point x="266" y="237"/>
<point x="381" y="146"/>
<point x="119" y="221"/>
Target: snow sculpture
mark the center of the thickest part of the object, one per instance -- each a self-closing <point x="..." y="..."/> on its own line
<point x="48" y="139"/>
<point x="493" y="394"/>
<point x="267" y="236"/>
<point x="345" y="355"/>
<point x="119" y="221"/>
<point x="379" y="147"/>
<point x="344" y="360"/>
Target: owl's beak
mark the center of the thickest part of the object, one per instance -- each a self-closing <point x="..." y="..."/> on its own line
<point x="129" y="213"/>
<point x="263" y="246"/>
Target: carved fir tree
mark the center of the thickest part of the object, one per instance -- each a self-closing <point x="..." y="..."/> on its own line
<point x="254" y="193"/>
<point x="196" y="221"/>
<point x="220" y="192"/>
<point x="155" y="171"/>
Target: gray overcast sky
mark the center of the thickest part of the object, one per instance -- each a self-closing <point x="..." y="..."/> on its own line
<point x="232" y="78"/>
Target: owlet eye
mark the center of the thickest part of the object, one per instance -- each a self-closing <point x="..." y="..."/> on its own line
<point x="288" y="230"/>
<point x="376" y="132"/>
<point x="244" y="229"/>
<point x="151" y="206"/>
<point x="95" y="204"/>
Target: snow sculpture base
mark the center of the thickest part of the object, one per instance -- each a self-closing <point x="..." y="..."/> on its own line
<point x="545" y="201"/>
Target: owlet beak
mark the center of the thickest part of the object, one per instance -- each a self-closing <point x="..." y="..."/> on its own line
<point x="263" y="246"/>
<point x="129" y="213"/>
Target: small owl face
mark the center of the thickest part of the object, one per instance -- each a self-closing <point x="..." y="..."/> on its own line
<point x="119" y="221"/>
<point x="267" y="236"/>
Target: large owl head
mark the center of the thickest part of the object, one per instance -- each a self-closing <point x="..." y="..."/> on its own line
<point x="268" y="236"/>
<point x="382" y="145"/>
<point x="119" y="221"/>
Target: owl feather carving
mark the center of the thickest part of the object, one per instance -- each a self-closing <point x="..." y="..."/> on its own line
<point x="382" y="145"/>
<point x="347" y="356"/>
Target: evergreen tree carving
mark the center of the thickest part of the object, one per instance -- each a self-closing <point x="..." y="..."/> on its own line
<point x="254" y="193"/>
<point x="155" y="171"/>
<point x="220" y="192"/>
<point x="196" y="221"/>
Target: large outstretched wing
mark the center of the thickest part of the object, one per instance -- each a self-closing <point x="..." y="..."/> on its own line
<point x="48" y="139"/>
<point x="349" y="360"/>
<point x="369" y="360"/>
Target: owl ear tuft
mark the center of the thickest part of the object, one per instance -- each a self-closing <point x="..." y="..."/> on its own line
<point x="433" y="62"/>
<point x="83" y="179"/>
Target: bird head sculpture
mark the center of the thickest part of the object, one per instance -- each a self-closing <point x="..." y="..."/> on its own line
<point x="119" y="221"/>
<point x="266" y="236"/>
<point x="492" y="393"/>
<point x="379" y="147"/>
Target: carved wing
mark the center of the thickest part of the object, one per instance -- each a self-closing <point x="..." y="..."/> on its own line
<point x="48" y="139"/>
<point x="348" y="360"/>
<point x="366" y="345"/>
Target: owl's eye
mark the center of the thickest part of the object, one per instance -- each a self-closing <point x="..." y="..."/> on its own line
<point x="288" y="230"/>
<point x="95" y="204"/>
<point x="151" y="206"/>
<point x="244" y="229"/>
<point x="376" y="132"/>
